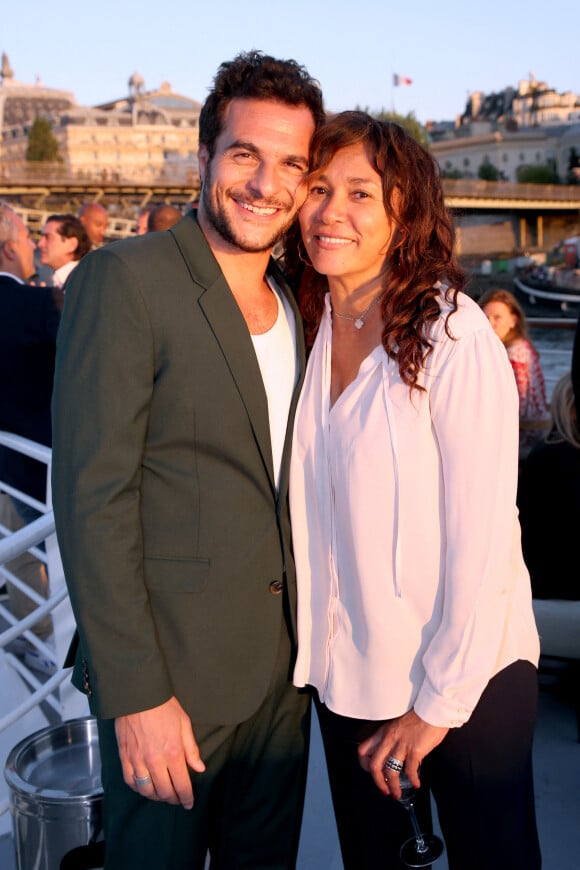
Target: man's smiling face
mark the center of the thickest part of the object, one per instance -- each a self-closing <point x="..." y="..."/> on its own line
<point x="253" y="185"/>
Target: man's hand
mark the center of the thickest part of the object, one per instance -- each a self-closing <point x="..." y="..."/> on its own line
<point x="159" y="745"/>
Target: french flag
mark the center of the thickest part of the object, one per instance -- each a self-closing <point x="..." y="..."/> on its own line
<point x="398" y="81"/>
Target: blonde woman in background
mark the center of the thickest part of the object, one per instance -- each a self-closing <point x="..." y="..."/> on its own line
<point x="508" y="320"/>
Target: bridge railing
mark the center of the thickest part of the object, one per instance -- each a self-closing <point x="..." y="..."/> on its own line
<point x="472" y="187"/>
<point x="15" y="172"/>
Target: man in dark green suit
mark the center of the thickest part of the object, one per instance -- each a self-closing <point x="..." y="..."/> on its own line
<point x="179" y="361"/>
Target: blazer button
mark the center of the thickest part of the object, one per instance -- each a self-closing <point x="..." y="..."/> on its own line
<point x="276" y="587"/>
<point x="86" y="681"/>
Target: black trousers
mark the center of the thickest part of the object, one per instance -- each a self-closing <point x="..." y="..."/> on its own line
<point x="248" y="802"/>
<point x="480" y="776"/>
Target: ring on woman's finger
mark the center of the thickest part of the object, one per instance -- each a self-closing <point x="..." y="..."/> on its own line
<point x="142" y="781"/>
<point x="393" y="764"/>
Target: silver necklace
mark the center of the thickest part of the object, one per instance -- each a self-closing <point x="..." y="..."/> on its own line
<point x="359" y="319"/>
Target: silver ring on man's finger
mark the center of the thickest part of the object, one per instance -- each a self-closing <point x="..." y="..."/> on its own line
<point x="142" y="781"/>
<point x="393" y="764"/>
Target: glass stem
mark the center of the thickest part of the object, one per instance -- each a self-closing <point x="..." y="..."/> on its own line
<point x="419" y="841"/>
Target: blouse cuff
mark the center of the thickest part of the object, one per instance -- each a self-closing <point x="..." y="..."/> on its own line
<point x="444" y="712"/>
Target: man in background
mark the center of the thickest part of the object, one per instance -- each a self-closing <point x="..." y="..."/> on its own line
<point x="142" y="218"/>
<point x="63" y="243"/>
<point x="29" y="322"/>
<point x="163" y="217"/>
<point x="94" y="218"/>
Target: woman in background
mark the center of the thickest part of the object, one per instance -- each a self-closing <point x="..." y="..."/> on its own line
<point x="415" y="623"/>
<point x="508" y="320"/>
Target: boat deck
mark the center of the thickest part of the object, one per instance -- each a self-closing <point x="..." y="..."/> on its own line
<point x="557" y="773"/>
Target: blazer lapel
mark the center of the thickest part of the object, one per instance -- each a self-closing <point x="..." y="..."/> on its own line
<point x="278" y="276"/>
<point x="230" y="329"/>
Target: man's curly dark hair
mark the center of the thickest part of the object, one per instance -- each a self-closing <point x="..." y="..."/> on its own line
<point x="257" y="76"/>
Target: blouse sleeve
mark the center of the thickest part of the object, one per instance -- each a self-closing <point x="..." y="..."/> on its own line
<point x="474" y="411"/>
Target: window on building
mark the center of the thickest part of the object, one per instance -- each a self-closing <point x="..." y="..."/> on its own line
<point x="505" y="157"/>
<point x="466" y="161"/>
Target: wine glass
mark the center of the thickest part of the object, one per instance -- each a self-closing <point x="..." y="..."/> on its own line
<point x="421" y="849"/>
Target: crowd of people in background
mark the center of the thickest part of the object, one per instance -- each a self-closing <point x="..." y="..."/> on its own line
<point x="33" y="279"/>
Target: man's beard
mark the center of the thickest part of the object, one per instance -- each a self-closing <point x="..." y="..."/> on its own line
<point x="220" y="221"/>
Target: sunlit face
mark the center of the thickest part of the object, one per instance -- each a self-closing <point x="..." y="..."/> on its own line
<point x="345" y="227"/>
<point x="254" y="184"/>
<point x="501" y="318"/>
<point x="141" y="227"/>
<point x="55" y="250"/>
<point x="94" y="221"/>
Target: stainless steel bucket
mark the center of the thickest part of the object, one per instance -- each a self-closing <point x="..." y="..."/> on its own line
<point x="56" y="795"/>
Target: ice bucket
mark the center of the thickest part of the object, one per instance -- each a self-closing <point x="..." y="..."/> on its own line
<point x="56" y="796"/>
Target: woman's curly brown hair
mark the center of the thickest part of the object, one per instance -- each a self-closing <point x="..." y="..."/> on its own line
<point x="421" y="252"/>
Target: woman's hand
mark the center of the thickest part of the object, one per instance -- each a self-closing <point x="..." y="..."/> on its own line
<point x="407" y="739"/>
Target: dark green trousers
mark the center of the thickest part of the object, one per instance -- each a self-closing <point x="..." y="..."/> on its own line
<point x="248" y="803"/>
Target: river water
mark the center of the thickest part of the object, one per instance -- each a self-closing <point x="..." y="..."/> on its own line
<point x="555" y="348"/>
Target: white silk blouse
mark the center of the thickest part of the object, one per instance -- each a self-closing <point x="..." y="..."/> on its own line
<point x="412" y="589"/>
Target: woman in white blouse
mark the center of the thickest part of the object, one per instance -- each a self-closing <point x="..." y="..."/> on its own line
<point x="414" y="608"/>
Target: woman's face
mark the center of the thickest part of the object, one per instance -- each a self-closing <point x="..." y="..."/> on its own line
<point x="501" y="318"/>
<point x="343" y="221"/>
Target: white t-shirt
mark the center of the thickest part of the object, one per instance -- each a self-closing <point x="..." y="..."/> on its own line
<point x="276" y="353"/>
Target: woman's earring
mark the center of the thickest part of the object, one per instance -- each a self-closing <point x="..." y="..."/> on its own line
<point x="304" y="258"/>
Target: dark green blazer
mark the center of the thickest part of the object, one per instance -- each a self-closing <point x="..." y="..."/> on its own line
<point x="173" y="537"/>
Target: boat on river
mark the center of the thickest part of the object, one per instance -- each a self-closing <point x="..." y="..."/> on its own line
<point x="533" y="290"/>
<point x="555" y="283"/>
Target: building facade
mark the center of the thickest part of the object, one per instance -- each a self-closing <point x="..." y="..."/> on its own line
<point x="532" y="125"/>
<point x="143" y="136"/>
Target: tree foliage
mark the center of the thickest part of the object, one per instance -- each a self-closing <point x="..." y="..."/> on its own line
<point x="42" y="145"/>
<point x="409" y="122"/>
<point x="541" y="173"/>
<point x="488" y="172"/>
<point x="452" y="173"/>
<point x="573" y="176"/>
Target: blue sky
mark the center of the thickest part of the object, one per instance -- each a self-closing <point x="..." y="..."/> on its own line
<point x="448" y="48"/>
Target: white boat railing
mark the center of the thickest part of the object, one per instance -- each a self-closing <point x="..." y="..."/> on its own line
<point x="28" y="690"/>
<point x="556" y="295"/>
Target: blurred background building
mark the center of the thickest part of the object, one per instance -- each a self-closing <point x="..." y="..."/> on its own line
<point x="144" y="135"/>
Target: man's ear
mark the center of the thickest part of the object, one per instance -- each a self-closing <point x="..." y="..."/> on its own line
<point x="202" y="161"/>
<point x="8" y="250"/>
